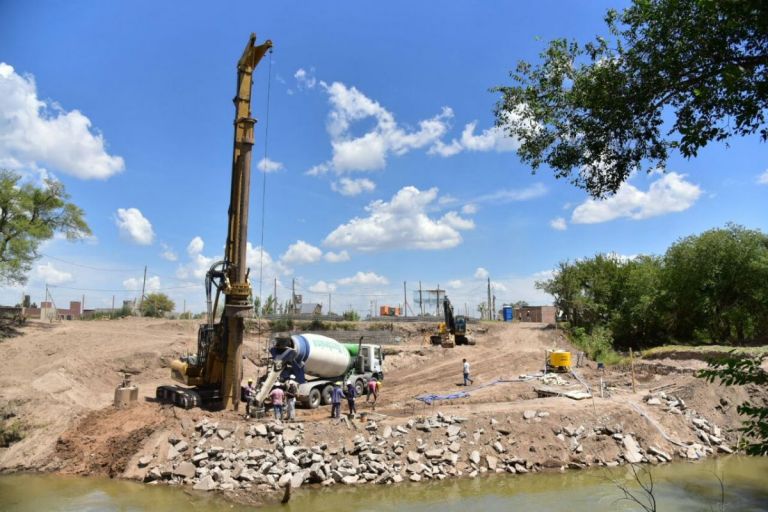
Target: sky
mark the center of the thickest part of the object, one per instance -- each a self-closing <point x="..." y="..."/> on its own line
<point x="376" y="160"/>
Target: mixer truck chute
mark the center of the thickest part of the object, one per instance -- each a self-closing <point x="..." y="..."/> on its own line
<point x="317" y="362"/>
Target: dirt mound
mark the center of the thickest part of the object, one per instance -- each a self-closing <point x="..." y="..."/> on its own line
<point x="103" y="442"/>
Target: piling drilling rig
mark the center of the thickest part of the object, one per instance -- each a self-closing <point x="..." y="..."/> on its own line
<point x="215" y="370"/>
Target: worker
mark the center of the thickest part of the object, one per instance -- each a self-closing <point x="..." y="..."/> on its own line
<point x="277" y="395"/>
<point x="249" y="396"/>
<point x="351" y="394"/>
<point x="466" y="373"/>
<point x="373" y="390"/>
<point x="336" y="395"/>
<point x="291" y="392"/>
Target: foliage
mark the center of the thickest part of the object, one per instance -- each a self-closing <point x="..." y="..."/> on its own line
<point x="707" y="288"/>
<point x="281" y="324"/>
<point x="187" y="315"/>
<point x="30" y="215"/>
<point x="674" y="75"/>
<point x="597" y="345"/>
<point x="736" y="370"/>
<point x="351" y="316"/>
<point x="157" y="305"/>
<point x="11" y="428"/>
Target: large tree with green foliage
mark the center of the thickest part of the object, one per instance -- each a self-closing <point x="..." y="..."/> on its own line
<point x="29" y="215"/>
<point x="672" y="75"/>
<point x="156" y="305"/>
<point x="707" y="288"/>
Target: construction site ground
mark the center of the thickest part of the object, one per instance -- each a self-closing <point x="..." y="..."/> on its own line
<point x="59" y="380"/>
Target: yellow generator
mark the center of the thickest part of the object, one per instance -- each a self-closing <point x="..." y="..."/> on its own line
<point x="558" y="361"/>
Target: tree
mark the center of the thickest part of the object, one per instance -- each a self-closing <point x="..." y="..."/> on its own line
<point x="717" y="285"/>
<point x="674" y="75"/>
<point x="30" y="215"/>
<point x="734" y="370"/>
<point x="157" y="305"/>
<point x="351" y="316"/>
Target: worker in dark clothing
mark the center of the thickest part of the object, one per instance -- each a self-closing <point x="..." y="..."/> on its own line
<point x="336" y="395"/>
<point x="351" y="394"/>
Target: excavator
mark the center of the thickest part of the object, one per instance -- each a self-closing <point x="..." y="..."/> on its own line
<point x="212" y="375"/>
<point x="453" y="331"/>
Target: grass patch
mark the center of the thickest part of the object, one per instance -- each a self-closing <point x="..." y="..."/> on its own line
<point x="702" y="352"/>
<point x="597" y="345"/>
<point x="12" y="429"/>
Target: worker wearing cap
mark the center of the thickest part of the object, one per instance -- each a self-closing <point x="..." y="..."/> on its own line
<point x="351" y="394"/>
<point x="465" y="371"/>
<point x="336" y="395"/>
<point x="277" y="395"/>
<point x="291" y="392"/>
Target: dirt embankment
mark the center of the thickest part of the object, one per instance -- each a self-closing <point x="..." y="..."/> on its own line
<point x="64" y="376"/>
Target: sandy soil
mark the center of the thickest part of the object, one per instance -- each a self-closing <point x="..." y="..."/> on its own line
<point x="60" y="378"/>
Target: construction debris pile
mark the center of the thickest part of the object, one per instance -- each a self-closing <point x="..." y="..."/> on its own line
<point x="274" y="455"/>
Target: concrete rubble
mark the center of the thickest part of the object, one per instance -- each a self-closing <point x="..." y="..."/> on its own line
<point x="271" y="455"/>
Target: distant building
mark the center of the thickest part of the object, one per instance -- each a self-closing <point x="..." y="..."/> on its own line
<point x="541" y="314"/>
<point x="309" y="309"/>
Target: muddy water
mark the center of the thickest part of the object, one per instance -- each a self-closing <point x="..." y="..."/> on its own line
<point x="678" y="487"/>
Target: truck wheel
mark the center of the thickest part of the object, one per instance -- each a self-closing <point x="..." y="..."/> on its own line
<point x="359" y="387"/>
<point x="315" y="398"/>
<point x="327" y="394"/>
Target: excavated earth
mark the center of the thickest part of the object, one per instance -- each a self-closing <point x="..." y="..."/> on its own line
<point x="59" y="380"/>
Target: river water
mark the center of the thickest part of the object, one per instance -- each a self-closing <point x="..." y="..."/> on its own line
<point x="677" y="487"/>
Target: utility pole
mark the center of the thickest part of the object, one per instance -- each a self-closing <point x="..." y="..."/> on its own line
<point x="437" y="307"/>
<point x="405" y="301"/>
<point x="421" y="302"/>
<point x="274" y="297"/>
<point x="113" y="305"/>
<point x="329" y="303"/>
<point x="82" y="306"/>
<point x="293" y="295"/>
<point x="494" y="308"/>
<point x="489" y="298"/>
<point x="143" y="287"/>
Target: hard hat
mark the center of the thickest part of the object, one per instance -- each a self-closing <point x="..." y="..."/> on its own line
<point x="278" y="384"/>
<point x="293" y="376"/>
<point x="349" y="382"/>
<point x="338" y="383"/>
<point x="250" y="380"/>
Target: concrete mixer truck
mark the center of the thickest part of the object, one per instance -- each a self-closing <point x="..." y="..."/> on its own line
<point x="317" y="362"/>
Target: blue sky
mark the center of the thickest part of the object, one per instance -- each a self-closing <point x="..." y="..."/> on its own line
<point x="383" y="165"/>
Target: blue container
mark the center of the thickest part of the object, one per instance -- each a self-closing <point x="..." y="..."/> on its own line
<point x="508" y="313"/>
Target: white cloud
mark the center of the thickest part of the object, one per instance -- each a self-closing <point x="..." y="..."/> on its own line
<point x="670" y="193"/>
<point x="491" y="139"/>
<point x="51" y="275"/>
<point x="558" y="223"/>
<point x="305" y="79"/>
<point x="134" y="226"/>
<point x="168" y="254"/>
<point x="369" y="151"/>
<point x="336" y="257"/>
<point x="36" y="132"/>
<point x="271" y="269"/>
<point x="350" y="187"/>
<point x="401" y="223"/>
<point x="134" y="284"/>
<point x="762" y="179"/>
<point x="498" y="286"/>
<point x="469" y="209"/>
<point x="363" y="278"/>
<point x="481" y="273"/>
<point x="512" y="195"/>
<point x="195" y="246"/>
<point x="455" y="284"/>
<point x="322" y="287"/>
<point x="267" y="165"/>
<point x="302" y="252"/>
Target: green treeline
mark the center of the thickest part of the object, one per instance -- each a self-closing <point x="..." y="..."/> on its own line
<point x="709" y="288"/>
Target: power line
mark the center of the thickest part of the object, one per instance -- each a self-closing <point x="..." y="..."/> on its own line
<point x="90" y="267"/>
